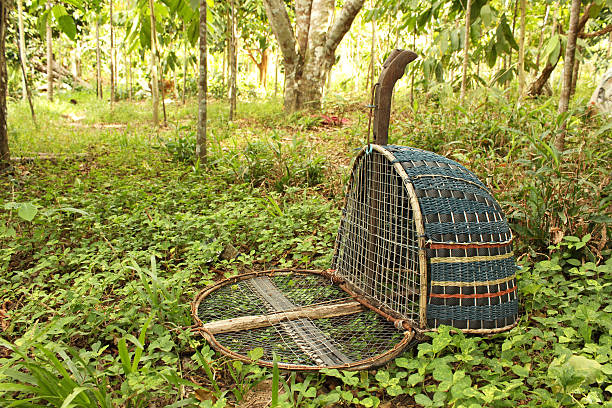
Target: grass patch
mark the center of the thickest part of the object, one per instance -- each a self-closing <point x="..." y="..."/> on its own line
<point x="101" y="254"/>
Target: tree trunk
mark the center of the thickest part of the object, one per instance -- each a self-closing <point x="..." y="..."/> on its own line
<point x="98" y="61"/>
<point x="537" y="86"/>
<point x="154" y="78"/>
<point x="24" y="92"/>
<point x="263" y="68"/>
<point x="202" y="88"/>
<point x="49" y="56"/>
<point x="570" y="51"/>
<point x="26" y="87"/>
<point x="516" y="2"/>
<point x="575" y="72"/>
<point x="112" y="57"/>
<point x="184" y="64"/>
<point x="413" y="71"/>
<point x="310" y="52"/>
<point x="372" y="56"/>
<point x="276" y="74"/>
<point x="5" y="155"/>
<point x="232" y="61"/>
<point x="541" y="41"/>
<point x="163" y="97"/>
<point x="75" y="59"/>
<point x="466" y="49"/>
<point x="521" y="56"/>
<point x="129" y="76"/>
<point x="225" y="57"/>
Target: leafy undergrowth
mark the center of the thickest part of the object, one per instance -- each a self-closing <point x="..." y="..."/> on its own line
<point x="101" y="255"/>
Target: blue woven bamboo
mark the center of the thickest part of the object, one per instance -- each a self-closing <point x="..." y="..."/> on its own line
<point x="459" y="211"/>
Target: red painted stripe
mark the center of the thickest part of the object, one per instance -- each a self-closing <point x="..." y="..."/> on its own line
<point x="474" y="296"/>
<point x="463" y="246"/>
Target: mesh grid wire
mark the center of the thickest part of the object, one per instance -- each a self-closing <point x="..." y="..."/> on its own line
<point x="377" y="243"/>
<point x="325" y="342"/>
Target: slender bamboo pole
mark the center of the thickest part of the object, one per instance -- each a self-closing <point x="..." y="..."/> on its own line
<point x="154" y="77"/>
<point x="112" y="56"/>
<point x="466" y="48"/>
<point x="521" y="56"/>
<point x="22" y="52"/>
<point x="49" y="56"/>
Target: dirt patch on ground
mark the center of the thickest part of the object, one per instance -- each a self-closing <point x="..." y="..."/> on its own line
<point x="259" y="396"/>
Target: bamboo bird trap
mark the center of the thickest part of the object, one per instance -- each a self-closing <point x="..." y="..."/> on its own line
<point x="421" y="243"/>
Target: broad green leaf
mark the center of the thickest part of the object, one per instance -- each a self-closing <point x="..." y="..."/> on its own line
<point x="406" y="363"/>
<point x="161" y="11"/>
<point x="68" y="401"/>
<point x="256" y="354"/>
<point x="443" y="373"/>
<point x="439" y="72"/>
<point x="486" y="14"/>
<point x="76" y="3"/>
<point x="382" y="376"/>
<point x="520" y="371"/>
<point x="501" y="45"/>
<point x="454" y="39"/>
<point x="444" y="41"/>
<point x="414" y="379"/>
<point x="68" y="26"/>
<point x="8" y="387"/>
<point x="491" y="54"/>
<point x="58" y="11"/>
<point x="394" y="390"/>
<point x="508" y="33"/>
<point x="475" y="31"/>
<point x="423" y="400"/>
<point x="586" y="367"/>
<point x="124" y="356"/>
<point x="594" y="11"/>
<point x="41" y="23"/>
<point x="367" y="402"/>
<point x="552" y="49"/>
<point x="27" y="211"/>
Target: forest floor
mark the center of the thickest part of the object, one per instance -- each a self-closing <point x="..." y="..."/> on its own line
<point x="109" y="227"/>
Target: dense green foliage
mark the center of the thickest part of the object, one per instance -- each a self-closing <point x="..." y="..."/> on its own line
<point x="102" y="253"/>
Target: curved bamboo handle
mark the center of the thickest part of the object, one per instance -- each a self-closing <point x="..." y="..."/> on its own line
<point x="393" y="69"/>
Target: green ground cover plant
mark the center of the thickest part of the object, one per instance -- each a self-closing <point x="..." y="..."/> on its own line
<point x="103" y="251"/>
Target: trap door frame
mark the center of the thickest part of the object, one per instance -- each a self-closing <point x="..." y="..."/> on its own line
<point x="418" y="224"/>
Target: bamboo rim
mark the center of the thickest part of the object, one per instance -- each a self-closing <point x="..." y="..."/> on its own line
<point x="374" y="361"/>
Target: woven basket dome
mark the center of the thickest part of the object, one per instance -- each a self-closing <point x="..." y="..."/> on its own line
<point x="425" y="241"/>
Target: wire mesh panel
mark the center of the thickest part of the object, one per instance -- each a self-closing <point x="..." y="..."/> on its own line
<point x="303" y="319"/>
<point x="377" y="245"/>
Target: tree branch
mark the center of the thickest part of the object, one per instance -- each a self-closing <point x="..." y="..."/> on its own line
<point x="302" y="24"/>
<point x="250" y="54"/>
<point x="281" y="27"/>
<point x="320" y="16"/>
<point x="342" y="24"/>
<point x="596" y="33"/>
<point x="585" y="17"/>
